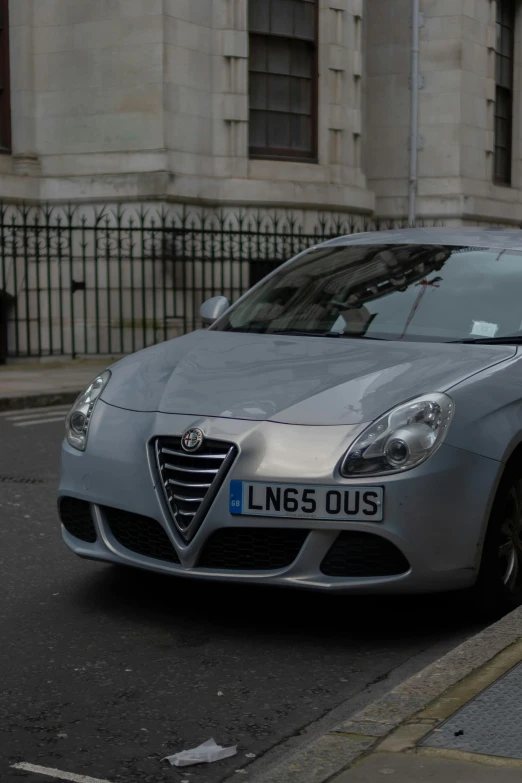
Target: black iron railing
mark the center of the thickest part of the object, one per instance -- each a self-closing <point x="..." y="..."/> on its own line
<point x="86" y="281"/>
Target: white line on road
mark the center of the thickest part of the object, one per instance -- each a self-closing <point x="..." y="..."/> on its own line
<point x="56" y="773"/>
<point x="37" y="421"/>
<point x="28" y="416"/>
<point x="30" y="411"/>
<point x="19" y="415"/>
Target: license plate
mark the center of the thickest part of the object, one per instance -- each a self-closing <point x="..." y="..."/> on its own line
<point x="342" y="504"/>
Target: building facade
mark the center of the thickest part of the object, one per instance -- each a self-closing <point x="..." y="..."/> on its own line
<point x="156" y="152"/>
<point x="138" y="99"/>
<point x="301" y="104"/>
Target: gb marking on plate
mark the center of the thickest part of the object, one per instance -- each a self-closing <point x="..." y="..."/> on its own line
<point x="236" y="497"/>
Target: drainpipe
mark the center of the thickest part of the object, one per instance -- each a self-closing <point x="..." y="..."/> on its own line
<point x="414" y="122"/>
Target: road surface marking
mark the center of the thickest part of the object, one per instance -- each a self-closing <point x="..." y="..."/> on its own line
<point x="38" y="421"/>
<point x="56" y="773"/>
<point x="29" y="411"/>
<point x="26" y="418"/>
<point x="39" y="415"/>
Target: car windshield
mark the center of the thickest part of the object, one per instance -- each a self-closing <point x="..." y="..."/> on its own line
<point x="389" y="292"/>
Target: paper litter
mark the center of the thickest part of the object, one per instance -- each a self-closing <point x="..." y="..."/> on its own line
<point x="204" y="754"/>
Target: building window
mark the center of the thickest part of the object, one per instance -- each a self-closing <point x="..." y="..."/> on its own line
<point x="504" y="91"/>
<point x="283" y="79"/>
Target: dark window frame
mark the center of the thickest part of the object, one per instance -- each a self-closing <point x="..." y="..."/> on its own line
<point x="282" y="153"/>
<point x="504" y="95"/>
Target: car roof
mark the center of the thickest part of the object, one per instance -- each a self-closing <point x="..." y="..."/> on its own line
<point x="464" y="237"/>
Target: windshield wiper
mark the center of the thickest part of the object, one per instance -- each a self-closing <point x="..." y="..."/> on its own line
<point x="513" y="339"/>
<point x="303" y="333"/>
<point x="297" y="332"/>
<point x="362" y="337"/>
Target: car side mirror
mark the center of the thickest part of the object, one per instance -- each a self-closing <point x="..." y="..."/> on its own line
<point x="213" y="309"/>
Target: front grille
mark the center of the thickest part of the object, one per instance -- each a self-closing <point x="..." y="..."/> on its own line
<point x="252" y="549"/>
<point x="142" y="535"/>
<point x="76" y="517"/>
<point x="190" y="481"/>
<point x="363" y="554"/>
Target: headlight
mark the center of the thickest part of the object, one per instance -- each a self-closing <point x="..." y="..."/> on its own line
<point x="79" y="417"/>
<point x="401" y="439"/>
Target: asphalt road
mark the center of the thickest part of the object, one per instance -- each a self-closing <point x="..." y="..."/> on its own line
<point x="104" y="673"/>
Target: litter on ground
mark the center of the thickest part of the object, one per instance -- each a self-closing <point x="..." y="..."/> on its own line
<point x="204" y="754"/>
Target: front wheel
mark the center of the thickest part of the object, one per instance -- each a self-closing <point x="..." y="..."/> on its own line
<point x="499" y="584"/>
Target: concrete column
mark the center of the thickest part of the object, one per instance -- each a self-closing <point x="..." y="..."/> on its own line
<point x="23" y="97"/>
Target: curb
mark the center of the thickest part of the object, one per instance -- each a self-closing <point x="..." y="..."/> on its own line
<point x="38" y="400"/>
<point x="339" y="749"/>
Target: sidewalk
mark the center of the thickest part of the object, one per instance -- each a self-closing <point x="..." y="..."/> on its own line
<point x="422" y="769"/>
<point x="458" y="721"/>
<point x="472" y="734"/>
<point x="38" y="384"/>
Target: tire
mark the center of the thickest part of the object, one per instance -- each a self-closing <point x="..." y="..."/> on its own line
<point x="499" y="584"/>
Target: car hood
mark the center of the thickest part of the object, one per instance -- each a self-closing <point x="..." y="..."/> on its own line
<point x="294" y="380"/>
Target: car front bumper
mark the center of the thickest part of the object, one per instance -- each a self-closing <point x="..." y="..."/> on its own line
<point x="435" y="515"/>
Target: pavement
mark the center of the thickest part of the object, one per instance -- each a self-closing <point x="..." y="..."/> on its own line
<point x="106" y="672"/>
<point x="457" y="721"/>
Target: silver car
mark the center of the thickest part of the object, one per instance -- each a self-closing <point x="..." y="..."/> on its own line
<point x="352" y="424"/>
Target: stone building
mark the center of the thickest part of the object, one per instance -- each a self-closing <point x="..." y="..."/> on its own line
<point x="289" y="103"/>
<point x="298" y="108"/>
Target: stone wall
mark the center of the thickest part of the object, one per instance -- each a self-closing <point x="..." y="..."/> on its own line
<point x="122" y="99"/>
<point x="456" y="111"/>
